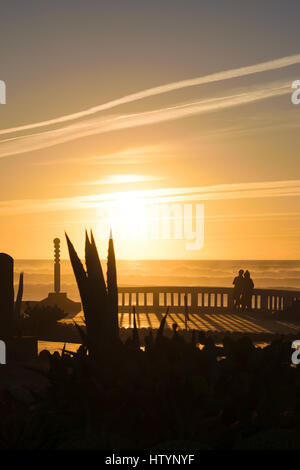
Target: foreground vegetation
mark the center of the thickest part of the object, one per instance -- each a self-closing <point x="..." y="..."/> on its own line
<point x="170" y="396"/>
<point x="113" y="395"/>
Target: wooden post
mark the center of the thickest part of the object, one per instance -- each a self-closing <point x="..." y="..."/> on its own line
<point x="230" y="301"/>
<point x="6" y="295"/>
<point x="264" y="302"/>
<point x="155" y="301"/>
<point x="194" y="302"/>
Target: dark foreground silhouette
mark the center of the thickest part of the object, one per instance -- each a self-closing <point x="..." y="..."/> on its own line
<point x="172" y="394"/>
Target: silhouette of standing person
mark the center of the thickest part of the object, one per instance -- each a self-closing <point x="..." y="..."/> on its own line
<point x="238" y="283"/>
<point x="247" y="292"/>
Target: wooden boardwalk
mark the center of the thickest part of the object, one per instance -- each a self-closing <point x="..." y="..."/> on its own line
<point x="214" y="322"/>
<point x="209" y="308"/>
<point x="218" y="322"/>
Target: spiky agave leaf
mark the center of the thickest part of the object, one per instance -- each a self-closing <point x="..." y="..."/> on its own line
<point x="97" y="259"/>
<point x="95" y="276"/>
<point x="97" y="293"/>
<point x="70" y="353"/>
<point x="161" y="326"/>
<point x="18" y="303"/>
<point x="135" y="334"/>
<point x="112" y="288"/>
<point x="93" y="264"/>
<point x="84" y="290"/>
<point x="78" y="269"/>
<point x="82" y="334"/>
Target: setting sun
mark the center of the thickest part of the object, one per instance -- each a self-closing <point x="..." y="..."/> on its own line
<point x="127" y="218"/>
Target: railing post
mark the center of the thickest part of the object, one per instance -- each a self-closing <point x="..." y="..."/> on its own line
<point x="156" y="301"/>
<point x="287" y="302"/>
<point x="230" y="301"/>
<point x="194" y="302"/>
<point x="263" y="302"/>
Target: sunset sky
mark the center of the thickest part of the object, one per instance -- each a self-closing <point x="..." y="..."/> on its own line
<point x="133" y="103"/>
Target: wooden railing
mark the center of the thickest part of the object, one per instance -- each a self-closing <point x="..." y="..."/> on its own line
<point x="199" y="299"/>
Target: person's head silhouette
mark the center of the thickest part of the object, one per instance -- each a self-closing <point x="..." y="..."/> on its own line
<point x="247" y="274"/>
<point x="241" y="272"/>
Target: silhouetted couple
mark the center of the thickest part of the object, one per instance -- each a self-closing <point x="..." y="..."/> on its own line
<point x="242" y="291"/>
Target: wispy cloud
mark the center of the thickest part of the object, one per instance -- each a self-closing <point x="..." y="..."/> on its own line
<point x="128" y="156"/>
<point x="263" y="189"/>
<point x="256" y="215"/>
<point x="121" y="179"/>
<point x="150" y="92"/>
<point x="104" y="124"/>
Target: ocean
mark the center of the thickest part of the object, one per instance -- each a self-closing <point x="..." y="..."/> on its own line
<point x="38" y="274"/>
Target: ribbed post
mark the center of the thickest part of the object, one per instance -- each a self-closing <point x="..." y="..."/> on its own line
<point x="56" y="242"/>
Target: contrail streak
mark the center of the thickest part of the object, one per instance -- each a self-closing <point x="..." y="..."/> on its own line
<point x="214" y="77"/>
<point x="104" y="124"/>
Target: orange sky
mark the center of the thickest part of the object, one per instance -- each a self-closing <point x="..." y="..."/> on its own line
<point x="78" y="143"/>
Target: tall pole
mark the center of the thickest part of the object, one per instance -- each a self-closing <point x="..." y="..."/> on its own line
<point x="56" y="242"/>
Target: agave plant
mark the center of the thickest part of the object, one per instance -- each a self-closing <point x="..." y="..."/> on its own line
<point x="99" y="301"/>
